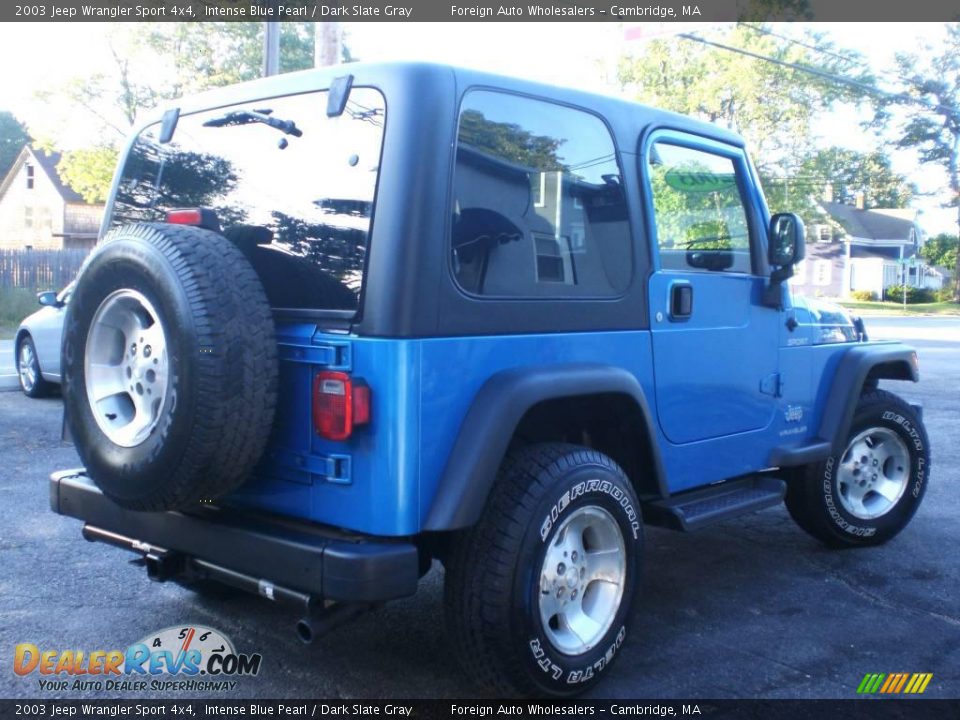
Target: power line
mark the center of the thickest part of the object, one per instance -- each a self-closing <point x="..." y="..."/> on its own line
<point x="863" y="87"/>
<point x="838" y="56"/>
<point x="845" y="58"/>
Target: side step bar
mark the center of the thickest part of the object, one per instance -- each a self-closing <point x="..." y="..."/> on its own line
<point x="700" y="508"/>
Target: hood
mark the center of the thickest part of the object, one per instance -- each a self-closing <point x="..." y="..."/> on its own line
<point x="826" y="322"/>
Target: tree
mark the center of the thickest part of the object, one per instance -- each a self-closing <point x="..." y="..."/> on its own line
<point x="13" y="136"/>
<point x="509" y="141"/>
<point x="172" y="60"/>
<point x="89" y="171"/>
<point x="941" y="250"/>
<point x="772" y="105"/>
<point x="930" y="125"/>
<point x="849" y="173"/>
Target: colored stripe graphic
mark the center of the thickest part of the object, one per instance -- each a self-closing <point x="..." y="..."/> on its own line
<point x="894" y="683"/>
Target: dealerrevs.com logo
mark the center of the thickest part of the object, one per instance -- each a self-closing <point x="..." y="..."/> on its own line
<point x="184" y="658"/>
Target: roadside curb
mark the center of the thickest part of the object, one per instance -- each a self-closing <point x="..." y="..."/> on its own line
<point x="9" y="382"/>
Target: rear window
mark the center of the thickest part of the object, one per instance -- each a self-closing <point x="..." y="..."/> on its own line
<point x="539" y="207"/>
<point x="299" y="206"/>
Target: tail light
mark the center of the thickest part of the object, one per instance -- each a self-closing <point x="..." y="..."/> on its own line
<point x="340" y="403"/>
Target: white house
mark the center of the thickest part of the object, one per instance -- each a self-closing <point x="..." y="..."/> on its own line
<point x="38" y="211"/>
<point x="852" y="248"/>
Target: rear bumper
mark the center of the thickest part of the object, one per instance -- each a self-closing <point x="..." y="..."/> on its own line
<point x="277" y="557"/>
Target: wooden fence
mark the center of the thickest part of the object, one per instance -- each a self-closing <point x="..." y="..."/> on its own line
<point x="40" y="269"/>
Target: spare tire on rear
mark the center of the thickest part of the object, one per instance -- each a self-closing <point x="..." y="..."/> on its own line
<point x="169" y="366"/>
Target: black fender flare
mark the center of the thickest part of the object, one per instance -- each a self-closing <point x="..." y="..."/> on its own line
<point x="893" y="361"/>
<point x="490" y="422"/>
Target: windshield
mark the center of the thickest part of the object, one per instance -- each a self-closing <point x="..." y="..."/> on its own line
<point x="292" y="188"/>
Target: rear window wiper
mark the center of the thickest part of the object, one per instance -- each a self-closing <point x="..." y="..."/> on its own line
<point x="246" y="117"/>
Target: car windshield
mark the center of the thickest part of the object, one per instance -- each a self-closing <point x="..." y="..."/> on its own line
<point x="298" y="203"/>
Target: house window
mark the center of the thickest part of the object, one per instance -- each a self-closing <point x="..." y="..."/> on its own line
<point x="799" y="273"/>
<point x="540" y="190"/>
<point x="28" y="217"/>
<point x="552" y="261"/>
<point x="29" y="177"/>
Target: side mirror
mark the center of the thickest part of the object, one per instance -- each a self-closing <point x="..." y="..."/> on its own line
<point x="48" y="299"/>
<point x="787" y="240"/>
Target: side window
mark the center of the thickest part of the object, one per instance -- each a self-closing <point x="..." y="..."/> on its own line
<point x="539" y="207"/>
<point x="700" y="215"/>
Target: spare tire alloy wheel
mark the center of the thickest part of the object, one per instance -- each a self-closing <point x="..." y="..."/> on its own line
<point x="126" y="369"/>
<point x="169" y="366"/>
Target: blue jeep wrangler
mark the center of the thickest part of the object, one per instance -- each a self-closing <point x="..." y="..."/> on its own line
<point x="346" y="322"/>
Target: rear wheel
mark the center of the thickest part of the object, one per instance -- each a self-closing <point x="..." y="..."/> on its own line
<point x="28" y="370"/>
<point x="869" y="493"/>
<point x="538" y="593"/>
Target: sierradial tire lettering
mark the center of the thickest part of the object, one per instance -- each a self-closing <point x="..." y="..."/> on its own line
<point x="604" y="486"/>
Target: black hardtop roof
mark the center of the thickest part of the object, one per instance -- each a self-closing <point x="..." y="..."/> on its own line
<point x="618" y="112"/>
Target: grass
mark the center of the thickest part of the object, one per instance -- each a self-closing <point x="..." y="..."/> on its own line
<point x="15" y="305"/>
<point x="891" y="308"/>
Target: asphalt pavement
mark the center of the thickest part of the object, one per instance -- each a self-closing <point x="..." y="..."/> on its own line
<point x="750" y="608"/>
<point x="8" y="370"/>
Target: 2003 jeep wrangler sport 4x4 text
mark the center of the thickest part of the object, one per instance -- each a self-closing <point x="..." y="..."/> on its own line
<point x="345" y="322"/>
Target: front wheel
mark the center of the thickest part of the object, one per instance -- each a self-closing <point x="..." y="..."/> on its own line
<point x="869" y="493"/>
<point x="28" y="370"/>
<point x="538" y="593"/>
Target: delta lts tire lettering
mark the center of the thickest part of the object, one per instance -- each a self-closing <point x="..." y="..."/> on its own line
<point x="868" y="493"/>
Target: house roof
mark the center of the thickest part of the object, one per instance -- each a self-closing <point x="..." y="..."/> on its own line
<point x="48" y="163"/>
<point x="887" y="252"/>
<point x="870" y="224"/>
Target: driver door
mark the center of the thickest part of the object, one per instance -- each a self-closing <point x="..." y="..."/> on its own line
<point x="714" y="342"/>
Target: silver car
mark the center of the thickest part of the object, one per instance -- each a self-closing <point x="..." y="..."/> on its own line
<point x="37" y="347"/>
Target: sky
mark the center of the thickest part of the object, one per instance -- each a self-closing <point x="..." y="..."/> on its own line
<point x="574" y="54"/>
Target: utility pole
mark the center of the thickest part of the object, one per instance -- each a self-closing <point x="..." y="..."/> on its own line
<point x="271" y="48"/>
<point x="327" y="44"/>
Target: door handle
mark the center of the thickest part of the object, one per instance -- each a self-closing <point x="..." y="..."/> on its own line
<point x="681" y="301"/>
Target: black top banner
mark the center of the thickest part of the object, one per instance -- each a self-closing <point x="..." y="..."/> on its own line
<point x="656" y="11"/>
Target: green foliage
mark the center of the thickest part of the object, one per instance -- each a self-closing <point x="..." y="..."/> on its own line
<point x="930" y="100"/>
<point x="155" y="179"/>
<point x="894" y="293"/>
<point x="15" y="305"/>
<point x="944" y="294"/>
<point x="863" y="295"/>
<point x="772" y="106"/>
<point x="13" y="136"/>
<point x="711" y="220"/>
<point x="89" y="171"/>
<point x="509" y="141"/>
<point x="941" y="250"/>
<point x="850" y="172"/>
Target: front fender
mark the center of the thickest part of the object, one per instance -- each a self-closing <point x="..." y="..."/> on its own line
<point x="489" y="425"/>
<point x="894" y="361"/>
